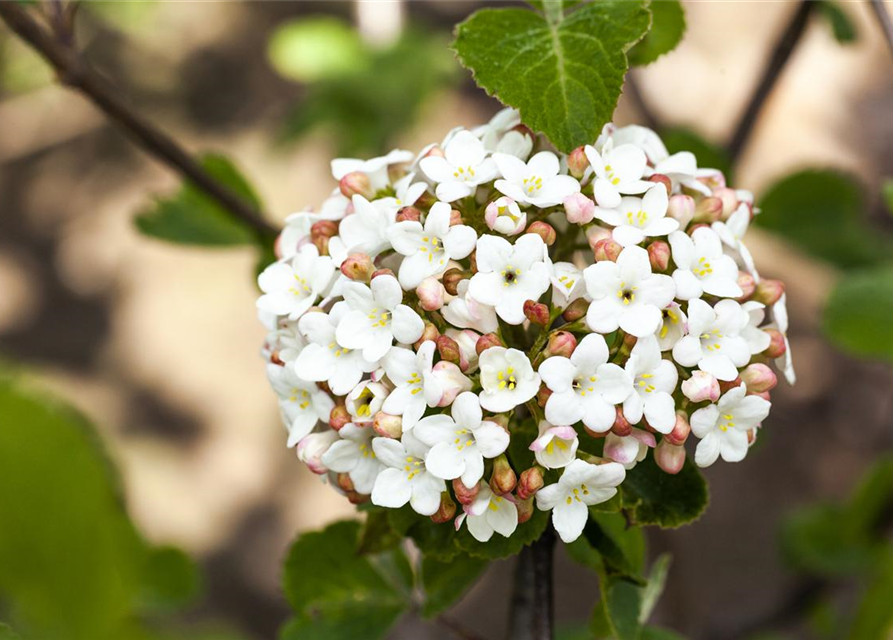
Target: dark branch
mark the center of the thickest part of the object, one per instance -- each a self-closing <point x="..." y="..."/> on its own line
<point x="75" y="73"/>
<point x="883" y="18"/>
<point x="780" y="55"/>
<point x="531" y="614"/>
<point x="457" y="629"/>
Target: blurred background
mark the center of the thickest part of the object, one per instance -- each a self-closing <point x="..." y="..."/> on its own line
<point x="158" y="344"/>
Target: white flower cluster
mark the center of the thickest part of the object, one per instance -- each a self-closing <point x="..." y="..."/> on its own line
<point x="437" y="307"/>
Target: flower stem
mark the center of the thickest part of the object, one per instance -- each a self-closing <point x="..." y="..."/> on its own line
<point x="531" y="616"/>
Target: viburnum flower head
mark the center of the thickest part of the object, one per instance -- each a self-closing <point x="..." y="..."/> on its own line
<point x="722" y="427"/>
<point x="462" y="168"/>
<point x="292" y="287"/>
<point x="635" y="219"/>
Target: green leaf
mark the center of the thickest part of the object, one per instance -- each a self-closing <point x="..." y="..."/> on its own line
<point x="366" y="620"/>
<point x="171" y="580"/>
<point x="435" y="540"/>
<point x="609" y="547"/>
<point x="564" y="76"/>
<point x="315" y="48"/>
<point x="446" y="582"/>
<point x="377" y="534"/>
<point x="6" y="633"/>
<point x="667" y="29"/>
<point x="823" y="212"/>
<point x="622" y="602"/>
<point x="874" y="615"/>
<point x="499" y="547"/>
<point x="666" y="500"/>
<point x="841" y="26"/>
<point x="857" y="315"/>
<point x="709" y="155"/>
<point x="887" y="194"/>
<point x="657" y="580"/>
<point x="191" y="217"/>
<point x="659" y="633"/>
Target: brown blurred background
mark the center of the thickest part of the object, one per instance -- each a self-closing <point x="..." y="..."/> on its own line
<point x="159" y="344"/>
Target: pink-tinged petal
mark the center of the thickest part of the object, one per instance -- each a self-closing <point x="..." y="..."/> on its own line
<point x="391" y="490"/>
<point x="622" y="450"/>
<point x="565" y="433"/>
<point x="406" y="324"/>
<point x="644" y="437"/>
<point x="569" y="520"/>
<point x="708" y="450"/>
<point x="540" y="443"/>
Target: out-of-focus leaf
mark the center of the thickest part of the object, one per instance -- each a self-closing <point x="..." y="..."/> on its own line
<point x="377" y="534"/>
<point x="446" y="582"/>
<point x="438" y="541"/>
<point x="887" y="193"/>
<point x="343" y="621"/>
<point x="666" y="500"/>
<point x="500" y="547"/>
<point x="858" y="312"/>
<point x="609" y="548"/>
<point x="316" y="48"/>
<point x="823" y="212"/>
<point x="874" y="615"/>
<point x="622" y="602"/>
<point x="564" y="73"/>
<point x="709" y="155"/>
<point x="657" y="580"/>
<point x="191" y="217"/>
<point x="841" y="26"/>
<point x="667" y="29"/>
<point x="6" y="633"/>
<point x="659" y="633"/>
<point x="171" y="580"/>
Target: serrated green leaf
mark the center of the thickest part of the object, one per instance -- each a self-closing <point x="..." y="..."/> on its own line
<point x="841" y="26"/>
<point x="191" y="217"/>
<point x="366" y="620"/>
<point x="709" y="154"/>
<point x="316" y="48"/>
<point x="445" y="583"/>
<point x="564" y="77"/>
<point x="666" y="500"/>
<point x="667" y="29"/>
<point x="857" y="315"/>
<point x="171" y="580"/>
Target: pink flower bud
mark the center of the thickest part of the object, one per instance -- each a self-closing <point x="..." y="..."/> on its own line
<point x="681" y="209"/>
<point x="430" y="332"/>
<point x="759" y="378"/>
<point x="561" y="343"/>
<point x="356" y="183"/>
<point x="530" y="482"/>
<point x="465" y="495"/>
<point x="708" y="210"/>
<point x="486" y="341"/>
<point x="544" y="230"/>
<point x="345" y="483"/>
<point x="729" y="201"/>
<point x="409" y="214"/>
<point x="664" y="180"/>
<point x="659" y="255"/>
<point x="525" y="510"/>
<point x="503" y="478"/>
<point x="777" y="346"/>
<point x="542" y="396"/>
<point x="536" y="312"/>
<point x="387" y="426"/>
<point x="382" y="272"/>
<point x="357" y="498"/>
<point x="669" y="457"/>
<point x="430" y="293"/>
<point x="501" y="419"/>
<point x="621" y="427"/>
<point x="452" y="278"/>
<point x="607" y="249"/>
<point x="456" y="217"/>
<point x="446" y="511"/>
<point x="576" y="310"/>
<point x="505" y="216"/>
<point x="769" y="291"/>
<point x="321" y="243"/>
<point x="451" y="380"/>
<point x="680" y="431"/>
<point x="748" y="285"/>
<point x="338" y="417"/>
<point x="467" y="341"/>
<point x="579" y="209"/>
<point x="700" y="387"/>
<point x="358" y="267"/>
<point x="595" y="233"/>
<point x="327" y="228"/>
<point x="312" y="447"/>
<point x="577" y="162"/>
<point x="448" y="349"/>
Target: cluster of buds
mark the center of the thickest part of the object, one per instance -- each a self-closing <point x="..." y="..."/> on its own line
<point x="599" y="306"/>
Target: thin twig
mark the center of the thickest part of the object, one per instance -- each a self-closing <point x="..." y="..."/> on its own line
<point x="635" y="95"/>
<point x="75" y="73"/>
<point x="457" y="629"/>
<point x="785" y="46"/>
<point x="883" y="18"/>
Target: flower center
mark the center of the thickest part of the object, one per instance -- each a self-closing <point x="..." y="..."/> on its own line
<point x="433" y="248"/>
<point x="672" y="316"/>
<point x="337" y="349"/>
<point x="300" y="396"/>
<point x="464" y="173"/>
<point x="575" y="494"/>
<point x="363" y="401"/>
<point x="729" y="424"/>
<point x="494" y="503"/>
<point x="464" y="438"/>
<point x="643" y="384"/>
<point x="627" y="294"/>
<point x="532" y="185"/>
<point x="637" y="219"/>
<point x="612" y="178"/>
<point x="703" y="268"/>
<point x="416" y="382"/>
<point x="299" y="288"/>
<point x="584" y="385"/>
<point x="567" y="281"/>
<point x="510" y="276"/>
<point x="555" y="442"/>
<point x="367" y="451"/>
<point x="507" y="379"/>
<point x="506" y="212"/>
<point x="379" y="318"/>
<point x="710" y="340"/>
<point x="413" y="467"/>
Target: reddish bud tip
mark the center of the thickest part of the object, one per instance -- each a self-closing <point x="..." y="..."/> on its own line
<point x="669" y="457"/>
<point x="621" y="426"/>
<point x="607" y="249"/>
<point x="327" y="228"/>
<point x="446" y="511"/>
<point x="759" y="378"/>
<point x="769" y="291"/>
<point x="387" y="426"/>
<point x="409" y="214"/>
<point x="358" y="267"/>
<point x="681" y="209"/>
<point x="544" y="230"/>
<point x="748" y="285"/>
<point x="356" y="183"/>
<point x="561" y="343"/>
<point x="430" y="332"/>
<point x="456" y="218"/>
<point x="448" y="349"/>
<point x="664" y="180"/>
<point x="577" y="162"/>
<point x="659" y="255"/>
<point x="708" y="210"/>
<point x="382" y="272"/>
<point x="576" y="310"/>
<point x="729" y="200"/>
<point x="542" y="396"/>
<point x="530" y="482"/>
<point x="451" y="280"/>
<point x="680" y="431"/>
<point x="579" y="209"/>
<point x="430" y="293"/>
<point x="777" y="346"/>
<point x="338" y="417"/>
<point x="486" y="341"/>
<point x="700" y="387"/>
<point x="536" y="312"/>
<point x="465" y="495"/>
<point x="503" y="478"/>
<point x="525" y="510"/>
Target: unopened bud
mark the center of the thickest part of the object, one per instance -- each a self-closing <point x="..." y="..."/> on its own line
<point x="659" y="255"/>
<point x="446" y="511"/>
<point x="542" y="396"/>
<point x="769" y="291"/>
<point x="576" y="310"/>
<point x="382" y="272"/>
<point x="327" y="228"/>
<point x="681" y="209"/>
<point x="777" y="346"/>
<point x="311" y="448"/>
<point x="456" y="218"/>
<point x="700" y="387"/>
<point x="759" y="378"/>
<point x="727" y="385"/>
<point x="486" y="341"/>
<point x="345" y="483"/>
<point x="747" y="283"/>
<point x="358" y="267"/>
<point x="577" y="162"/>
<point x="536" y="312"/>
<point x="544" y="230"/>
<point x="561" y="343"/>
<point x="357" y="498"/>
<point x="525" y="510"/>
<point x="579" y="208"/>
<point x="467" y="340"/>
<point x="387" y="426"/>
<point x="451" y="279"/>
<point x="465" y="495"/>
<point x="503" y="478"/>
<point x="530" y="482"/>
<point x="338" y="417"/>
<point x="621" y="426"/>
<point x="430" y="332"/>
<point x="321" y="243"/>
<point x="729" y="201"/>
<point x="356" y="183"/>
<point x="669" y="457"/>
<point x="408" y="214"/>
<point x="430" y="293"/>
<point x="664" y="180"/>
<point x="708" y="210"/>
<point x="607" y="249"/>
<point x="448" y="349"/>
<point x="452" y="382"/>
<point x="680" y="431"/>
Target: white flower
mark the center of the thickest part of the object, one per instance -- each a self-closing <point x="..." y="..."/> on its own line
<point x="354" y="456"/>
<point x="365" y="400"/>
<point x="639" y="136"/>
<point x="377" y="318"/>
<point x="556" y="447"/>
<point x="580" y="486"/>
<point x="654" y="380"/>
<point x="462" y="168"/>
<point x="489" y="513"/>
<point x="323" y="359"/>
<point x="537" y="182"/>
<point x="585" y="386"/>
<point x="284" y="343"/>
<point x="498" y="134"/>
<point x="626" y="294"/>
<point x="672" y="326"/>
<point x="507" y="378"/>
<point x="702" y="267"/>
<point x="635" y="219"/>
<point x="618" y="170"/>
<point x="504" y="216"/>
<point x="376" y="169"/>
<point x="301" y="403"/>
<point x="732" y="232"/>
<point x="757" y="339"/>
<point x="428" y="249"/>
<point x="313" y="447"/>
<point x="628" y="450"/>
<point x="567" y="284"/>
<point x="714" y="343"/>
<point x="465" y="312"/>
<point x="723" y="427"/>
<point x="682" y="169"/>
<point x="406" y="192"/>
<point x="406" y="479"/>
<point x="366" y="229"/>
<point x="508" y="275"/>
<point x="460" y="443"/>
<point x="290" y="288"/>
<point x="785" y="362"/>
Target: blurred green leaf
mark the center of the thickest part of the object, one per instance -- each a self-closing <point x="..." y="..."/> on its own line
<point x="657" y="580"/>
<point x="874" y="615"/>
<point x="668" y="501"/>
<point x="823" y="212"/>
<point x="887" y="193"/>
<point x="667" y="29"/>
<point x="709" y="155"/>
<point x="433" y="540"/>
<point x="316" y="48"/>
<point x="857" y="315"/>
<point x="377" y="534"/>
<point x="609" y="547"/>
<point x="191" y="217"/>
<point x="659" y="633"/>
<point x="841" y="26"/>
<point x="171" y="580"/>
<point x="563" y="73"/>
<point x="7" y="633"/>
<point x="344" y="621"/>
<point x="622" y="602"/>
<point x="445" y="583"/>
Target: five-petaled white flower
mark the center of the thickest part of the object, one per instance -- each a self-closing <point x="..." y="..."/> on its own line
<point x="732" y="231"/>
<point x="556" y="446"/>
<point x="508" y="275"/>
<point x="376" y="169"/>
<point x="507" y="379"/>
<point x="406" y="479"/>
<point x="628" y="450"/>
<point x="618" y="170"/>
<point x="585" y="386"/>
<point x="567" y="284"/>
<point x="354" y="456"/>
<point x="654" y="380"/>
<point x="301" y="403"/>
<point x="635" y="219"/>
<point x="377" y="317"/>
<point x="489" y="513"/>
<point x="581" y="485"/>
<point x="366" y="229"/>
<point x="504" y="216"/>
<point x="365" y="400"/>
<point x="722" y="427"/>
<point x="714" y="343"/>
<point x="462" y="168"/>
<point x="292" y="287"/>
<point x="702" y="267"/>
<point x="460" y="443"/>
<point x="626" y="294"/>
<point x="429" y="249"/>
<point x="536" y="182"/>
<point x="465" y="312"/>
